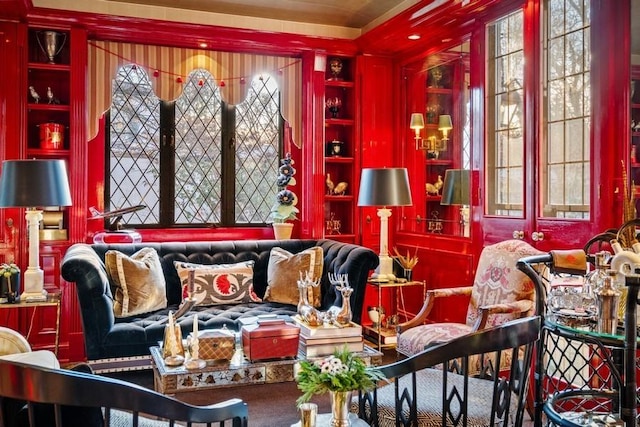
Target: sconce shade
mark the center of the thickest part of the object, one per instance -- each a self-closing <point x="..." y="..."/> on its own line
<point x="34" y="183"/>
<point x="444" y="122"/>
<point x="455" y="190"/>
<point x="417" y="121"/>
<point x="384" y="187"/>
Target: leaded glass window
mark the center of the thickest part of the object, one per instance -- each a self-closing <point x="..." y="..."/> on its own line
<point x="565" y="153"/>
<point x="505" y="136"/>
<point x="196" y="160"/>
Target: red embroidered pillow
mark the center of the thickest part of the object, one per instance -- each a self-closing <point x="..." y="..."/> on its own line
<point x="218" y="283"/>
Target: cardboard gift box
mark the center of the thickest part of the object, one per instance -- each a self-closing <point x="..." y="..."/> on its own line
<point x="273" y="339"/>
<point x="216" y="344"/>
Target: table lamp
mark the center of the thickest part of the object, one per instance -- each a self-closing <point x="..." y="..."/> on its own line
<point x="33" y="184"/>
<point x="455" y="191"/>
<point x="384" y="187"/>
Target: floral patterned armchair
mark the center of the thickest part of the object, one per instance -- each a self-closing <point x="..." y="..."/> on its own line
<point x="500" y="293"/>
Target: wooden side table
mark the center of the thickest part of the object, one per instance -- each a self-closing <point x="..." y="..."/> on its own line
<point x="53" y="300"/>
<point x="386" y="337"/>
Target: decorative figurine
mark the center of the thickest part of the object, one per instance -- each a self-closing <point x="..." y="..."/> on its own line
<point x="311" y="315"/>
<point x="330" y="184"/>
<point x="335" y="65"/>
<point x="342" y="315"/>
<point x="34" y="94"/>
<point x="52" y="99"/>
<point x="334" y="104"/>
<point x="173" y="351"/>
<point x="340" y="188"/>
<point x="434" y="189"/>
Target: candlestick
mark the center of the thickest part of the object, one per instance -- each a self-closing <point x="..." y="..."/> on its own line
<point x="195" y="326"/>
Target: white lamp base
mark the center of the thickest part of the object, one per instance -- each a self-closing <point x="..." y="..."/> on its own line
<point x="34" y="276"/>
<point x="384" y="271"/>
<point x="33" y="286"/>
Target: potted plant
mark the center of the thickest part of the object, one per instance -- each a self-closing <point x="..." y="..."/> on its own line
<point x="339" y="374"/>
<point x="9" y="283"/>
<point x="285" y="208"/>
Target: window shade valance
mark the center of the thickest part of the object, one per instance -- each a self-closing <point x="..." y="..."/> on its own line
<point x="168" y="67"/>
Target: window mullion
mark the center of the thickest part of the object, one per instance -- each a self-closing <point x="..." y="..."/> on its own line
<point x="167" y="162"/>
<point x="228" y="164"/>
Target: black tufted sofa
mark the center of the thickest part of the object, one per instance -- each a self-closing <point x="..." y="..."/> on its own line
<point x="108" y="337"/>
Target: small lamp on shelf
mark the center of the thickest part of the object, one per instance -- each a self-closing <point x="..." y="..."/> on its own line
<point x="455" y="191"/>
<point x="383" y="188"/>
<point x="33" y="184"/>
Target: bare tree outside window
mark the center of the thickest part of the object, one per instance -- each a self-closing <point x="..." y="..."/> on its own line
<point x="196" y="160"/>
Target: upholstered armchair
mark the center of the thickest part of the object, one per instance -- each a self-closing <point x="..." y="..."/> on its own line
<point x="500" y="292"/>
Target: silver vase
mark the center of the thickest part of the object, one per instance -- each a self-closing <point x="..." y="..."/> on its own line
<point x="51" y="43"/>
<point x="340" y="401"/>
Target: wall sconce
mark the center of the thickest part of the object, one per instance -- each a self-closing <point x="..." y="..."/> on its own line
<point x="432" y="144"/>
<point x="417" y="124"/>
<point x="456" y="191"/>
<point x="444" y="125"/>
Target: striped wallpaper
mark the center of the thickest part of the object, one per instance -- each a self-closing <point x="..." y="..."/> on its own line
<point x="234" y="69"/>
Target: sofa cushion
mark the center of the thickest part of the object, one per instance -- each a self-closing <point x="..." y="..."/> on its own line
<point x="284" y="271"/>
<point x="217" y="283"/>
<point x="139" y="282"/>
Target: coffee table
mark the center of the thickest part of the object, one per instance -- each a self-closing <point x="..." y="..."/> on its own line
<point x="237" y="372"/>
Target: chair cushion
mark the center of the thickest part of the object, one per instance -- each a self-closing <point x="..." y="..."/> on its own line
<point x="283" y="273"/>
<point x="12" y="342"/>
<point x="414" y="340"/>
<point x="218" y="283"/>
<point x="429" y="396"/>
<point x="139" y="282"/>
<point x="497" y="280"/>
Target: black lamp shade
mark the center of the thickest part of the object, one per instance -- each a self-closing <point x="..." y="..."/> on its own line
<point x="34" y="183"/>
<point x="384" y="187"/>
<point x="455" y="190"/>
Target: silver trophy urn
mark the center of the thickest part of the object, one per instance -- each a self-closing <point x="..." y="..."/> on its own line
<point x="51" y="43"/>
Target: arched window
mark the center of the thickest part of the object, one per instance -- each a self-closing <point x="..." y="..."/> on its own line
<point x="196" y="160"/>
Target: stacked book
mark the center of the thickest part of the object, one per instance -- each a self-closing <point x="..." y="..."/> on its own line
<point x="318" y="341"/>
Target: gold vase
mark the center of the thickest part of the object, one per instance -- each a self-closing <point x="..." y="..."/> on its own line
<point x="340" y="402"/>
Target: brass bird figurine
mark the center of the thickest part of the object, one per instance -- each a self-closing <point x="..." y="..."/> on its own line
<point x="439" y="183"/>
<point x="431" y="189"/>
<point x="330" y="185"/>
<point x="340" y="188"/>
<point x="434" y="189"/>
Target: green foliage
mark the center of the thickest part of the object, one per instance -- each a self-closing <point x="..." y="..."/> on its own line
<point x="341" y="371"/>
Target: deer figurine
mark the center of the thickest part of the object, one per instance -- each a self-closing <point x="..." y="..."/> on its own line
<point x="341" y="315"/>
<point x="308" y="313"/>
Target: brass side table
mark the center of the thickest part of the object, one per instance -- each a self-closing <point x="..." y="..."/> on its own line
<point x="53" y="300"/>
<point x="386" y="337"/>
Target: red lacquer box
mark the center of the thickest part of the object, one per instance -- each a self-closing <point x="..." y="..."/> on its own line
<point x="273" y="339"/>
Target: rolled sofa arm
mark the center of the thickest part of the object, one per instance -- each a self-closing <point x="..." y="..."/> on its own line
<point x="355" y="261"/>
<point x="82" y="265"/>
